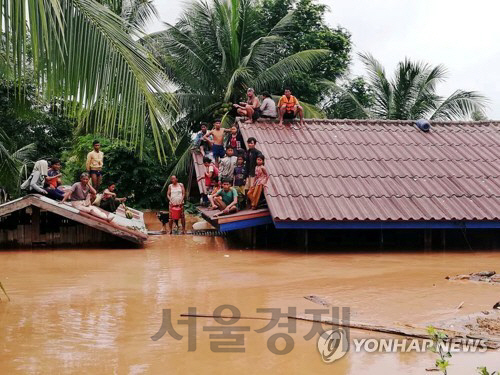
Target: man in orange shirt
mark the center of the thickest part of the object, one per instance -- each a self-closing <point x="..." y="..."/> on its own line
<point x="289" y="107"/>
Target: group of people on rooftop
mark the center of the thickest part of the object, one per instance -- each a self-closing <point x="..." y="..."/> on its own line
<point x="288" y="107"/>
<point x="47" y="180"/>
<point x="235" y="174"/>
<point x="234" y="177"/>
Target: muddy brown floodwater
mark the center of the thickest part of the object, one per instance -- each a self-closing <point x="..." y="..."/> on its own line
<point x="94" y="311"/>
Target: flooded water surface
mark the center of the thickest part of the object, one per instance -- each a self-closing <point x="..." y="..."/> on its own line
<point x="94" y="311"/>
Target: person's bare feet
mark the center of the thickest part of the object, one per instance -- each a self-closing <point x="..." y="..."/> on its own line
<point x="280" y="123"/>
<point x="212" y="208"/>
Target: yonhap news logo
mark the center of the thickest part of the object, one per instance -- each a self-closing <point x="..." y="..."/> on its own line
<point x="333" y="345"/>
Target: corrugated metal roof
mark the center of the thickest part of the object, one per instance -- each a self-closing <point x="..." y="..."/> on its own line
<point x="380" y="170"/>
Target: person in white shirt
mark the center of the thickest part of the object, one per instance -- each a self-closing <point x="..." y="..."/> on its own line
<point x="268" y="107"/>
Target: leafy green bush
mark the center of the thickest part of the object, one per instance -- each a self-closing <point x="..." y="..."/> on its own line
<point x="141" y="181"/>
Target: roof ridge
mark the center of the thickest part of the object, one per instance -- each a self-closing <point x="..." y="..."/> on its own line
<point x="467" y="196"/>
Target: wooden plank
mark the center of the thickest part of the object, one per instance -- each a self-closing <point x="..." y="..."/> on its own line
<point x="35" y="225"/>
<point x="15" y="205"/>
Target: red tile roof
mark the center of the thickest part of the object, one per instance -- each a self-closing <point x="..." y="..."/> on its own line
<point x="330" y="170"/>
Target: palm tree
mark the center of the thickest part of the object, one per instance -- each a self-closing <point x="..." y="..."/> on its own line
<point x="136" y="12"/>
<point x="411" y="94"/>
<point x="13" y="165"/>
<point x="216" y="51"/>
<point x="80" y="51"/>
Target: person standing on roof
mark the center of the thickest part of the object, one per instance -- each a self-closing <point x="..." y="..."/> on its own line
<point x="290" y="108"/>
<point x="268" y="107"/>
<point x="218" y="140"/>
<point x="251" y="162"/>
<point x="235" y="140"/>
<point x="250" y="109"/>
<point x="95" y="161"/>
<point x="226" y="166"/>
<point x="211" y="176"/>
<point x="203" y="145"/>
<point x="260" y="181"/>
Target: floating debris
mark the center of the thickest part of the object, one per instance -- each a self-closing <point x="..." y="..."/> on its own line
<point x="318" y="300"/>
<point x="484" y="276"/>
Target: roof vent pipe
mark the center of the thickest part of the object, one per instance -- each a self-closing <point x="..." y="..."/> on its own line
<point x="423" y="125"/>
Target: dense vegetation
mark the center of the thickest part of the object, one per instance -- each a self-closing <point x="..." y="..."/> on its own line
<point x="92" y="72"/>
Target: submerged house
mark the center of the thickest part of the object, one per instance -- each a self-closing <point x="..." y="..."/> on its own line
<point x="36" y="220"/>
<point x="374" y="175"/>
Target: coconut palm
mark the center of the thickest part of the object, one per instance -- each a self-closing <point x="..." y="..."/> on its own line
<point x="411" y="94"/>
<point x="80" y="51"/>
<point x="136" y="12"/>
<point x="216" y="50"/>
<point x="13" y="165"/>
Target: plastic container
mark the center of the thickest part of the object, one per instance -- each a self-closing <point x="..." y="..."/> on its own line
<point x="175" y="212"/>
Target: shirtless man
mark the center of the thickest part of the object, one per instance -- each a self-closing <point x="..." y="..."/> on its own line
<point x="250" y="109"/>
<point x="218" y="140"/>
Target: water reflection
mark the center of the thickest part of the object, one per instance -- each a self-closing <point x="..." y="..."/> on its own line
<point x="93" y="311"/>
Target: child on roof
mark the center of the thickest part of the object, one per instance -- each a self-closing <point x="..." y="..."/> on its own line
<point x="226" y="166"/>
<point x="239" y="180"/>
<point x="261" y="177"/>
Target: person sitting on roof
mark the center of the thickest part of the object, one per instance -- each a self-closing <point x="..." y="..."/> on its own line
<point x="211" y="176"/>
<point x="268" y="107"/>
<point x="176" y="195"/>
<point x="250" y="109"/>
<point x="36" y="181"/>
<point x="226" y="199"/>
<point x="80" y="193"/>
<point x="261" y="177"/>
<point x="235" y="140"/>
<point x="109" y="201"/>
<point x="289" y="107"/>
<point x="203" y="145"/>
<point x="226" y="166"/>
<point x="53" y="181"/>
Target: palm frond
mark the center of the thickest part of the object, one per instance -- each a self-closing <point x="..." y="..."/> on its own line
<point x="298" y="62"/>
<point x="382" y="88"/>
<point x="460" y="105"/>
<point x="349" y="103"/>
<point x="85" y="54"/>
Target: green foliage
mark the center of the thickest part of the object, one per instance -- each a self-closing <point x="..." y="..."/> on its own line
<point x="83" y="53"/>
<point x="27" y="119"/>
<point x="411" y="94"/>
<point x="308" y="30"/>
<point x="348" y="99"/>
<point x="438" y="338"/>
<point x="140" y="180"/>
<point x="13" y="165"/>
<point x="218" y="49"/>
<point x="484" y="371"/>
